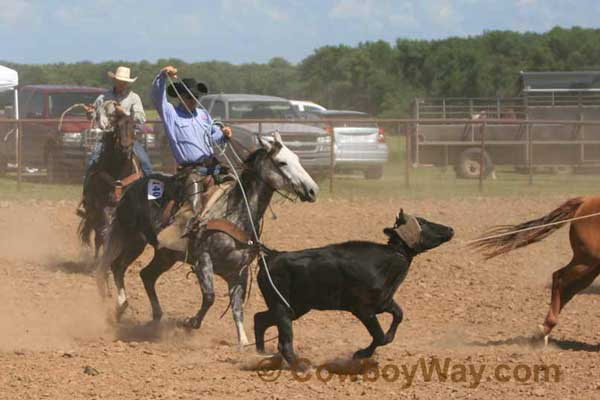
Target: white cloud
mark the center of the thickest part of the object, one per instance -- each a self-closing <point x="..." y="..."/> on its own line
<point x="352" y="9"/>
<point x="526" y="3"/>
<point x="11" y="11"/>
<point x="242" y="8"/>
<point x="278" y="15"/>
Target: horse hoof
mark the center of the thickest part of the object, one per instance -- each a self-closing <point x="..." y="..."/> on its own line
<point x="189" y="323"/>
<point x="545" y="335"/>
<point x="121" y="310"/>
<point x="360" y="354"/>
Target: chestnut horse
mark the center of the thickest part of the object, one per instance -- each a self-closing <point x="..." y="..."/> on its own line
<point x="584" y="235"/>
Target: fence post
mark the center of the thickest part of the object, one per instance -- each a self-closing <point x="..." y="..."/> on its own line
<point x="481" y="157"/>
<point x="407" y="154"/>
<point x="331" y="157"/>
<point x="19" y="143"/>
<point x="530" y="154"/>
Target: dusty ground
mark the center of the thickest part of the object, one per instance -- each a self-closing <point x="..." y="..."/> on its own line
<point x="57" y="341"/>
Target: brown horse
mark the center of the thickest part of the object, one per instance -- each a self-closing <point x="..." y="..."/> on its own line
<point x="584" y="235"/>
<point x="116" y="168"/>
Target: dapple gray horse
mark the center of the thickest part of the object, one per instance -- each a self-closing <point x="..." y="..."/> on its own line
<point x="271" y="168"/>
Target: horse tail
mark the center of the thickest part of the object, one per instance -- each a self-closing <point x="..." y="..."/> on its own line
<point x="114" y="239"/>
<point x="86" y="225"/>
<point x="505" y="238"/>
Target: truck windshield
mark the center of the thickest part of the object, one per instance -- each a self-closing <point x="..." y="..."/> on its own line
<point x="261" y="109"/>
<point x="59" y="102"/>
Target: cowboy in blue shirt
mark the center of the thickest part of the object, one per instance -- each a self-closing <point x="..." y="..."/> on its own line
<point x="190" y="130"/>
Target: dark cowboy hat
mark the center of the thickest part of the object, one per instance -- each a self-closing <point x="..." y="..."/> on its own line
<point x="197" y="88"/>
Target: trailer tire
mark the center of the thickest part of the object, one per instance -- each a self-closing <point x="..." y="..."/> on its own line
<point x="3" y="165"/>
<point x="374" y="172"/>
<point x="468" y="166"/>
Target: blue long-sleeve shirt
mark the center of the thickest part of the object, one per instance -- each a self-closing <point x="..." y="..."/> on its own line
<point x="188" y="134"/>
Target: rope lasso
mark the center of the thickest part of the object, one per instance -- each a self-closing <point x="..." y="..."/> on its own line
<point x="237" y="178"/>
<point x="532" y="228"/>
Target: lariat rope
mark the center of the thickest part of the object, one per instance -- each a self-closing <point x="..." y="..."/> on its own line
<point x="84" y="106"/>
<point x="531" y="228"/>
<point x="237" y="178"/>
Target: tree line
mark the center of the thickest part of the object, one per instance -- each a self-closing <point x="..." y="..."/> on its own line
<point x="377" y="77"/>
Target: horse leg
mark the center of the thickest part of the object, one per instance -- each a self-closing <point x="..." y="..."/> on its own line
<point x="237" y="293"/>
<point x="97" y="243"/>
<point x="162" y="261"/>
<point x="204" y="271"/>
<point x="566" y="283"/>
<point x="131" y="252"/>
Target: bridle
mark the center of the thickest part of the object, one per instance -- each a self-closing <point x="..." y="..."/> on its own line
<point x="118" y="132"/>
<point x="275" y="165"/>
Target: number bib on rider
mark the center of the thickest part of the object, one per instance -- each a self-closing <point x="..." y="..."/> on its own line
<point x="156" y="189"/>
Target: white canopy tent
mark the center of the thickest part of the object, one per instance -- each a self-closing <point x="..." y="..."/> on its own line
<point x="9" y="80"/>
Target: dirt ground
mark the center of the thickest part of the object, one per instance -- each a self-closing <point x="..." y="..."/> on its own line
<point x="58" y="341"/>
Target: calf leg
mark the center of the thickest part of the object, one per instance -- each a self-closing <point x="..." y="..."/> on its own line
<point x="262" y="321"/>
<point x="285" y="346"/>
<point x="566" y="283"/>
<point x="237" y="292"/>
<point x="204" y="271"/>
<point x="372" y="324"/>
<point x="162" y="261"/>
<point x="397" y="315"/>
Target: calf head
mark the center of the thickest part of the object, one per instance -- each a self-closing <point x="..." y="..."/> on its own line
<point x="417" y="233"/>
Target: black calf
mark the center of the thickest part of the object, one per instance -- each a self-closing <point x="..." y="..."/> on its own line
<point x="359" y="277"/>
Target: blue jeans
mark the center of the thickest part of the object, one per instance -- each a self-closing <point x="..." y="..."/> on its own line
<point x="138" y="150"/>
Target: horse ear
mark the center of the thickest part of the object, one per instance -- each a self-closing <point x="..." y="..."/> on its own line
<point x="277" y="146"/>
<point x="264" y="143"/>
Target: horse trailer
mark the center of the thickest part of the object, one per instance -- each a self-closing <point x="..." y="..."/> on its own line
<point x="549" y="126"/>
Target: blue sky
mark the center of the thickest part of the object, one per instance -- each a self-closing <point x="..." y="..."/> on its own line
<point x="238" y="31"/>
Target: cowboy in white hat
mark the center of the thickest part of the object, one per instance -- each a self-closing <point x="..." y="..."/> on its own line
<point x="127" y="103"/>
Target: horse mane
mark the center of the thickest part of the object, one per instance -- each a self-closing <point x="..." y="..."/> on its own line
<point x="254" y="156"/>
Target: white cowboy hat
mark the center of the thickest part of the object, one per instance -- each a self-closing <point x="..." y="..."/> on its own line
<point x="122" y="74"/>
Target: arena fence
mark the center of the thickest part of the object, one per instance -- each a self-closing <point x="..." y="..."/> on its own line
<point x="34" y="147"/>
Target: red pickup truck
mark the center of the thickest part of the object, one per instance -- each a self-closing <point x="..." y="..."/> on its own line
<point x="63" y="154"/>
<point x="43" y="146"/>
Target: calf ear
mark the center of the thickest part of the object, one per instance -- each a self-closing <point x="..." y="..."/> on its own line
<point x="391" y="233"/>
<point x="400" y="219"/>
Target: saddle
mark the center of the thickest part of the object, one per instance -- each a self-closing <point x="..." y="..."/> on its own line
<point x="176" y="212"/>
<point x="119" y="185"/>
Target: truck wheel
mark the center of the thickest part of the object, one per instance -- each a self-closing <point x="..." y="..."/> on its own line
<point x="55" y="173"/>
<point x="375" y="172"/>
<point x="469" y="167"/>
<point x="3" y="165"/>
